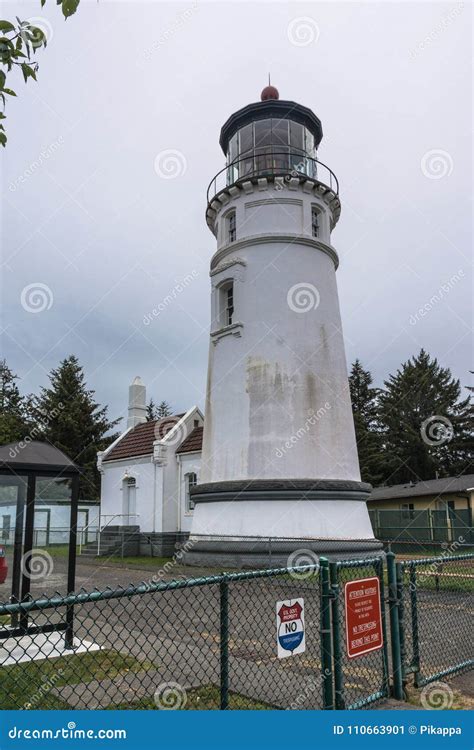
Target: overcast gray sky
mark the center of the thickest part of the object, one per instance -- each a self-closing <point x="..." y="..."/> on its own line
<point x="94" y="233"/>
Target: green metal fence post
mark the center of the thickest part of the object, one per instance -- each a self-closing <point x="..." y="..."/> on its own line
<point x="379" y="570"/>
<point x="336" y="638"/>
<point x="394" y="627"/>
<point x="401" y="621"/>
<point x="224" y="642"/>
<point x="326" y="646"/>
<point x="414" y="624"/>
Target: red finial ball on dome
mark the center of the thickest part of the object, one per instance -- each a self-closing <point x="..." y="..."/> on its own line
<point x="269" y="92"/>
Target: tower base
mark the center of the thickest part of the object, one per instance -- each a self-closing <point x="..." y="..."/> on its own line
<point x="279" y="523"/>
<point x="274" y="553"/>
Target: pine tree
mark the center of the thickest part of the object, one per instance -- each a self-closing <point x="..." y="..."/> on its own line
<point x="14" y="423"/>
<point x="74" y="422"/>
<point x="426" y="428"/>
<point x="163" y="410"/>
<point x="364" y="400"/>
<point x="151" y="411"/>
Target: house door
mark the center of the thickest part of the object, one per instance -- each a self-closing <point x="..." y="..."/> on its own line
<point x="130" y="501"/>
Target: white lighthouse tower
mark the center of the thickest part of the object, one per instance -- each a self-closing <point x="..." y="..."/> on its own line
<point x="279" y="461"/>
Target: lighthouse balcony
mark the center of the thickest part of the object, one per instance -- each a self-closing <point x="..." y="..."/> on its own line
<point x="282" y="169"/>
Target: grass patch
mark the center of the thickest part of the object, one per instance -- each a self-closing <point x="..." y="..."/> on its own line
<point x="456" y="583"/>
<point x="456" y="701"/>
<point x="56" y="550"/>
<point x="205" y="698"/>
<point x="32" y="682"/>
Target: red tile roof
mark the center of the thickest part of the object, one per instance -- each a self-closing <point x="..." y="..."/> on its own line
<point x="193" y="442"/>
<point x="139" y="441"/>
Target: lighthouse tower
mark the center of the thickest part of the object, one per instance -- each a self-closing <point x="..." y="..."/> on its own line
<point x="279" y="461"/>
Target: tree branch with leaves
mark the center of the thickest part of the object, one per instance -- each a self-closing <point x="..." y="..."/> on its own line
<point x="19" y="43"/>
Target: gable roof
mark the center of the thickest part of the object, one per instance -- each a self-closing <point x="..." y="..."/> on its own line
<point x="193" y="442"/>
<point x="139" y="441"/>
<point x="429" y="487"/>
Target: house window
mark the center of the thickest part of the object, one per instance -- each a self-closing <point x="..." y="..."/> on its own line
<point x="315" y="222"/>
<point x="408" y="510"/>
<point x="191" y="481"/>
<point x="231" y="227"/>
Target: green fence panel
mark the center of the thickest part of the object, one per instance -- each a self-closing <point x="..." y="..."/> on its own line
<point x="435" y="598"/>
<point x="363" y="680"/>
<point x="201" y="643"/>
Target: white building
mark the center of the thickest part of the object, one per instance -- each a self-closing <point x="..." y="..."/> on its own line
<point x="147" y="474"/>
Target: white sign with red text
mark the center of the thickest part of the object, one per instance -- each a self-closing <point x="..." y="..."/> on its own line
<point x="290" y="628"/>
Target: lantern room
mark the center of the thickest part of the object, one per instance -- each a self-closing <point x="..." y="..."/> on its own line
<point x="271" y="136"/>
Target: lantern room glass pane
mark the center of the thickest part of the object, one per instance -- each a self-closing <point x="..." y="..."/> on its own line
<point x="233" y="150"/>
<point x="309" y="143"/>
<point x="280" y="134"/>
<point x="246" y="166"/>
<point x="263" y="133"/>
<point x="233" y="171"/>
<point x="246" y="139"/>
<point x="296" y="137"/>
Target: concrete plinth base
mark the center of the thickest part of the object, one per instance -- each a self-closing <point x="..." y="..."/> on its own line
<point x="275" y="553"/>
<point x="277" y="523"/>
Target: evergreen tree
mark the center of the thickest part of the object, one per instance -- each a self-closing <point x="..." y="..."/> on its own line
<point x="426" y="428"/>
<point x="74" y="422"/>
<point x="13" y="407"/>
<point x="151" y="411"/>
<point x="163" y="410"/>
<point x="364" y="400"/>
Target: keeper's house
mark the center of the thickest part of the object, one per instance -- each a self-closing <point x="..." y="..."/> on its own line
<point x="147" y="474"/>
<point x="437" y="510"/>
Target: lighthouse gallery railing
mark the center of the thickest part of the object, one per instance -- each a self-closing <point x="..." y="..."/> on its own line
<point x="266" y="162"/>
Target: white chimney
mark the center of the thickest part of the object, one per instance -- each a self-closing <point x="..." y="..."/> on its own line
<point x="136" y="403"/>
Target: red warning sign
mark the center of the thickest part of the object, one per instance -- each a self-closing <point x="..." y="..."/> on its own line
<point x="363" y="617"/>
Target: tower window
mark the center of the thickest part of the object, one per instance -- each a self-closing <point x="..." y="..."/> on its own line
<point x="229" y="304"/>
<point x="315" y="222"/>
<point x="231" y="227"/>
<point x="226" y="303"/>
<point x="191" y="481"/>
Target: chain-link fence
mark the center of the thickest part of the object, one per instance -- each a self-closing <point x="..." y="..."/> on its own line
<point x="435" y="607"/>
<point x="195" y="643"/>
<point x="306" y="637"/>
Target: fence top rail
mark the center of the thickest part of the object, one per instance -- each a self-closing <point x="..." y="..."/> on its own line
<point x="151" y="586"/>
<point x="364" y="562"/>
<point x="439" y="560"/>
